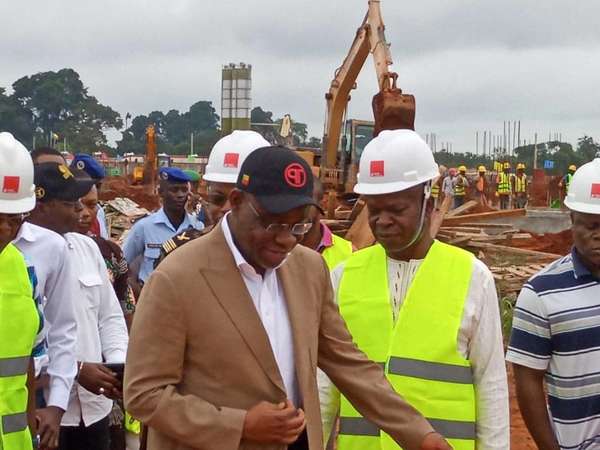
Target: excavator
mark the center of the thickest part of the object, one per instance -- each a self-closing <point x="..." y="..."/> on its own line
<point x="340" y="153"/>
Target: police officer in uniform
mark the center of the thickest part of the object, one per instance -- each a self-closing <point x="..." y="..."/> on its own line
<point x="147" y="236"/>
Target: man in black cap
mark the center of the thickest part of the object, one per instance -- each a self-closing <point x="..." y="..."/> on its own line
<point x="231" y="327"/>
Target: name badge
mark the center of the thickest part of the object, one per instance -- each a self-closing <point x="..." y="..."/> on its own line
<point x="154" y="245"/>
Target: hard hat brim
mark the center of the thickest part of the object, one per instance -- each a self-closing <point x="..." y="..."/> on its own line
<point x="221" y="178"/>
<point x="582" y="207"/>
<point x="23" y="205"/>
<point x="386" y="188"/>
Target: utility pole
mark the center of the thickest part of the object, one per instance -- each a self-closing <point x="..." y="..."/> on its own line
<point x="514" y="135"/>
<point x="519" y="133"/>
<point x="504" y="138"/>
<point x="535" y="153"/>
<point x="477" y="142"/>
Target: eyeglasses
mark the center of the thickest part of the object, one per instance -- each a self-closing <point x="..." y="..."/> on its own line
<point x="216" y="199"/>
<point x="13" y="220"/>
<point x="297" y="229"/>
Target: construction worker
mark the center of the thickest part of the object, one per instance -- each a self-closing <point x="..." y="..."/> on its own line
<point x="96" y="171"/>
<point x="481" y="185"/>
<point x="521" y="187"/>
<point x="555" y="334"/>
<point x="565" y="182"/>
<point x="19" y="317"/>
<point x="504" y="186"/>
<point x="222" y="169"/>
<point x="436" y="186"/>
<point x="448" y="187"/>
<point x="461" y="183"/>
<point x="426" y="311"/>
<point x="147" y="235"/>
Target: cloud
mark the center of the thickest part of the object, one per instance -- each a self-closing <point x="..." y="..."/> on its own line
<point x="471" y="64"/>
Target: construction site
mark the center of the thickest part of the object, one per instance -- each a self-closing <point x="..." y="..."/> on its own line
<point x="509" y="215"/>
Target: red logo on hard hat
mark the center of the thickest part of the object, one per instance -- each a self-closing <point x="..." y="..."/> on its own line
<point x="295" y="175"/>
<point x="11" y="185"/>
<point x="377" y="168"/>
<point x="231" y="160"/>
<point x="595" y="190"/>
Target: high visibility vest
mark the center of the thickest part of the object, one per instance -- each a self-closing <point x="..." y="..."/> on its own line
<point x="337" y="253"/>
<point x="419" y="351"/>
<point x="19" y="323"/>
<point x="521" y="184"/>
<point x="435" y="190"/>
<point x="568" y="182"/>
<point x="504" y="184"/>
<point x="459" y="190"/>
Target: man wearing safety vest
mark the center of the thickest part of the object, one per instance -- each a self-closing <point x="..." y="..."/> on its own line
<point x="460" y="187"/>
<point x="504" y="186"/>
<point x="565" y="182"/>
<point x="19" y="319"/>
<point x="481" y="185"/>
<point x="333" y="248"/>
<point x="427" y="311"/>
<point x="521" y="187"/>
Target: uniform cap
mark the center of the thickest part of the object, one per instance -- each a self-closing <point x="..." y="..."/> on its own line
<point x="173" y="175"/>
<point x="89" y="165"/>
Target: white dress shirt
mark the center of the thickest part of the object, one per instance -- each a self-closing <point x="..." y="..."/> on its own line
<point x="57" y="288"/>
<point x="101" y="330"/>
<point x="269" y="300"/>
<point x="479" y="340"/>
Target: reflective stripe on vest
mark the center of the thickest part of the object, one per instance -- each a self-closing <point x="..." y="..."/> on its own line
<point x="503" y="183"/>
<point x="568" y="181"/>
<point x="17" y="337"/>
<point x="337" y="253"/>
<point x="435" y="190"/>
<point x="459" y="190"/>
<point x="521" y="183"/>
<point x="423" y="362"/>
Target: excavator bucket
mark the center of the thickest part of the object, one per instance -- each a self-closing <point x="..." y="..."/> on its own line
<point x="392" y="109"/>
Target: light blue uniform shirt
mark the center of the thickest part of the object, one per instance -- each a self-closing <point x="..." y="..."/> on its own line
<point x="147" y="236"/>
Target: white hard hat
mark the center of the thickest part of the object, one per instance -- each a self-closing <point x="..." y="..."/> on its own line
<point x="584" y="189"/>
<point x="394" y="161"/>
<point x="17" y="191"/>
<point x="228" y="154"/>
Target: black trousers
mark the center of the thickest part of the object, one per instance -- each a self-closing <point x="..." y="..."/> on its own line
<point x="301" y="443"/>
<point x="94" y="437"/>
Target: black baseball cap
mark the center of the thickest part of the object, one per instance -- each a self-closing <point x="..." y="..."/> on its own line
<point x="279" y="179"/>
<point x="55" y="181"/>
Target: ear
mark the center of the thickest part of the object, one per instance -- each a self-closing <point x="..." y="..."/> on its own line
<point x="236" y="198"/>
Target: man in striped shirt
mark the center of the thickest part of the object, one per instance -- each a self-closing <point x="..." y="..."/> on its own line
<point x="556" y="332"/>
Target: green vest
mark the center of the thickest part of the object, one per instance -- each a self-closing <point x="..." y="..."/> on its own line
<point x="521" y="184"/>
<point x="504" y="184"/>
<point x="435" y="190"/>
<point x="459" y="189"/>
<point x="337" y="253"/>
<point x="420" y="352"/>
<point x="568" y="181"/>
<point x="19" y="322"/>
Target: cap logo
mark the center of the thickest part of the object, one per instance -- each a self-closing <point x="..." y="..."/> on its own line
<point x="80" y="165"/>
<point x="595" y="190"/>
<point x="377" y="168"/>
<point x="66" y="173"/>
<point x="164" y="175"/>
<point x="231" y="160"/>
<point x="40" y="192"/>
<point x="295" y="175"/>
<point x="11" y="185"/>
<point x="245" y="180"/>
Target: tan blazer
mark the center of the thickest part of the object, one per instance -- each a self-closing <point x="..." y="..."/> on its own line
<point x="199" y="357"/>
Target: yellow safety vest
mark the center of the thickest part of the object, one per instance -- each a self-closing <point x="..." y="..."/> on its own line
<point x="521" y="184"/>
<point x="420" y="352"/>
<point x="504" y="184"/>
<point x="568" y="182"/>
<point x="19" y="321"/>
<point x="435" y="190"/>
<point x="459" y="190"/>
<point x="337" y="253"/>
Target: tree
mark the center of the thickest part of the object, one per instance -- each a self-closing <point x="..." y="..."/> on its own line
<point x="587" y="149"/>
<point x="15" y="119"/>
<point x="59" y="102"/>
<point x="314" y="142"/>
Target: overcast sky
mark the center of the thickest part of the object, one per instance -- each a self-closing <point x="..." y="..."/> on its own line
<point x="471" y="64"/>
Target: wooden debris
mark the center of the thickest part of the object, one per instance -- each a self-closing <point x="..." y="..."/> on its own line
<point x="360" y="233"/>
<point x="462" y="209"/>
<point x="513" y="250"/>
<point x="469" y="218"/>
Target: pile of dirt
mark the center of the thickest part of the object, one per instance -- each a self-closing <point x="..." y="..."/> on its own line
<point x="114" y="187"/>
<point x="558" y="243"/>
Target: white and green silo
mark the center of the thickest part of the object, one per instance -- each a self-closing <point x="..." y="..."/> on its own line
<point x="236" y="99"/>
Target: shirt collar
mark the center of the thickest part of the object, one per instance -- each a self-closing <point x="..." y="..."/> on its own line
<point x="579" y="269"/>
<point x="241" y="263"/>
<point x="25" y="233"/>
<point x="326" y="238"/>
<point x="161" y="217"/>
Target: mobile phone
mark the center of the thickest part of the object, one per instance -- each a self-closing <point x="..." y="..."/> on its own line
<point x="117" y="368"/>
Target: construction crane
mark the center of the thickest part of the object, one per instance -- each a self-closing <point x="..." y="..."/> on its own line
<point x="391" y="108"/>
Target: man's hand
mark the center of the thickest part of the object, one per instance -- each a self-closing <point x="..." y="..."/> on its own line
<point x="268" y="423"/>
<point x="99" y="380"/>
<point x="434" y="441"/>
<point x="48" y="426"/>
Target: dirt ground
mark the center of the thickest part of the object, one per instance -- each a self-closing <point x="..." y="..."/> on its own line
<point x="520" y="439"/>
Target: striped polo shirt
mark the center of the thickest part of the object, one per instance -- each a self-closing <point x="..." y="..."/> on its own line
<point x="556" y="328"/>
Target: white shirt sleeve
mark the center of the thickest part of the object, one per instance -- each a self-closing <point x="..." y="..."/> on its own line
<point x="111" y="322"/>
<point x="486" y="355"/>
<point x="61" y="291"/>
